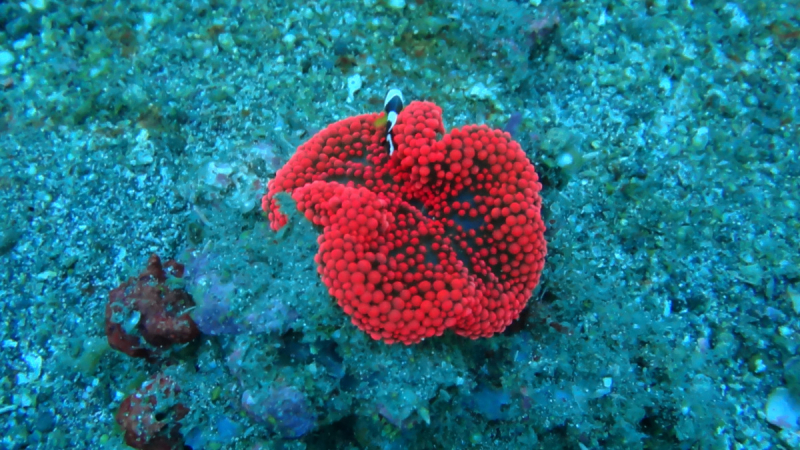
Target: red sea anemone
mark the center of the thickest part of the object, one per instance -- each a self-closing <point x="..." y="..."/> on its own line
<point x="444" y="233"/>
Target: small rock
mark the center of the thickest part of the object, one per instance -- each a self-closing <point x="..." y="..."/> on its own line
<point x="285" y="409"/>
<point x="791" y="373"/>
<point x="40" y="5"/>
<point x="783" y="409"/>
<point x="226" y="42"/>
<point x="480" y="92"/>
<point x="794" y="297"/>
<point x="700" y="139"/>
<point x="45" y="421"/>
<point x="289" y="39"/>
<point x="751" y="274"/>
<point x="6" y="61"/>
<point x="8" y="239"/>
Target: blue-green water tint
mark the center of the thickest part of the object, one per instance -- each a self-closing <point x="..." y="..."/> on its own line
<point x="665" y="134"/>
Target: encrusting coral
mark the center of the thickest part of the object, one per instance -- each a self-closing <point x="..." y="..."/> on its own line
<point x="151" y="416"/>
<point x="144" y="316"/>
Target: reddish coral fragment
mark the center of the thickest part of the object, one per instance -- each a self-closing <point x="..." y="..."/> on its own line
<point x="144" y="316"/>
<point x="444" y="233"/>
<point x="150" y="416"/>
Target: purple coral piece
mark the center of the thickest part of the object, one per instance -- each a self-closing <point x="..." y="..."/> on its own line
<point x="216" y="318"/>
<point x="394" y="418"/>
<point x="284" y="409"/>
<point x="270" y="315"/>
<point x="513" y="123"/>
<point x="489" y="402"/>
<point x="213" y="314"/>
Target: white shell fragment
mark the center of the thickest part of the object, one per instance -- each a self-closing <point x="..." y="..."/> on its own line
<point x="353" y="85"/>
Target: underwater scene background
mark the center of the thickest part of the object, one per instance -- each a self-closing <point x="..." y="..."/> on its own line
<point x="648" y="148"/>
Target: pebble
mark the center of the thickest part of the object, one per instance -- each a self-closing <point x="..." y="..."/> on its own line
<point x="45" y="422"/>
<point x="289" y="39"/>
<point x="6" y="59"/>
<point x="40" y="5"/>
<point x="226" y="42"/>
<point x="700" y="139"/>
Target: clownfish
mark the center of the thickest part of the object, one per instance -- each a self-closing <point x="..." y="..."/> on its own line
<point x="392" y="105"/>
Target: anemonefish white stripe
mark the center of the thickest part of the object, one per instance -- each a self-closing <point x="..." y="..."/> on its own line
<point x="393" y="104"/>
